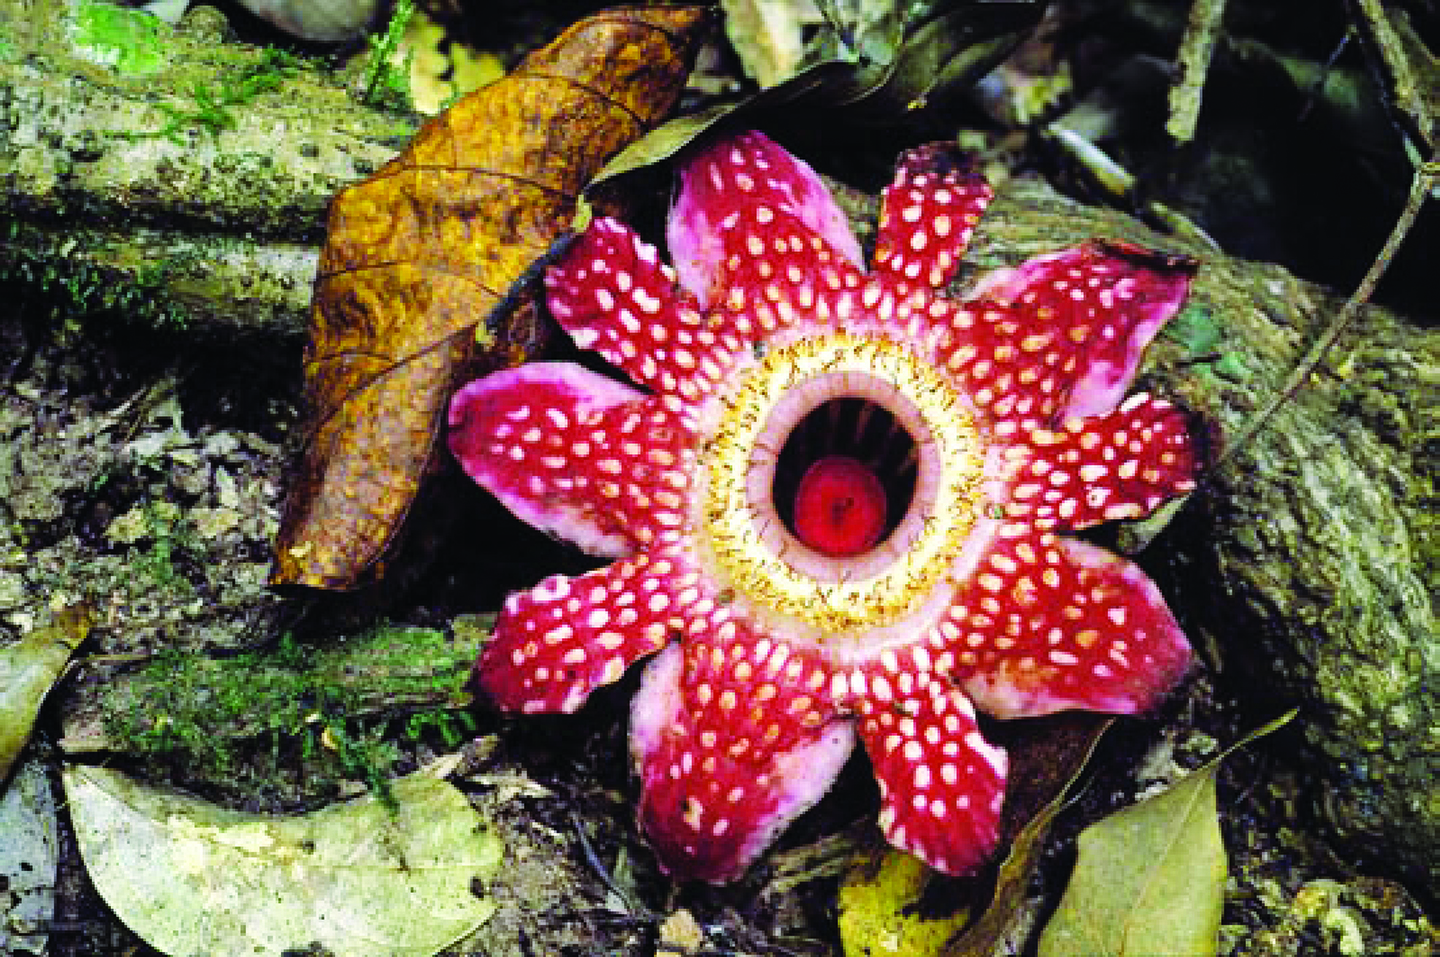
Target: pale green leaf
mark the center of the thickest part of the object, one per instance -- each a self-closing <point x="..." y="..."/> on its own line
<point x="357" y="878"/>
<point x="29" y="851"/>
<point x="131" y="42"/>
<point x="769" y="35"/>
<point x="27" y="670"/>
<point x="1149" y="879"/>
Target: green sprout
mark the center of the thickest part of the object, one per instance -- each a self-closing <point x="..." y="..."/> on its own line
<point x="385" y="82"/>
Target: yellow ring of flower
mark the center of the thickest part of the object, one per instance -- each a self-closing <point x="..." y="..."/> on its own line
<point x="759" y="573"/>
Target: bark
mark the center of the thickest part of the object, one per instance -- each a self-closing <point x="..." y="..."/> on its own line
<point x="146" y="177"/>
<point x="1307" y="564"/>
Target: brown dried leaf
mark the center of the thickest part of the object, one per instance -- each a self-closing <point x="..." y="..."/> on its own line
<point x="420" y="254"/>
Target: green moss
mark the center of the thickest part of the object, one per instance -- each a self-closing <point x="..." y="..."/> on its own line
<point x="212" y="111"/>
<point x="74" y="290"/>
<point x="131" y="42"/>
<point x="452" y="726"/>
<point x="1203" y="339"/>
<point x="337" y="707"/>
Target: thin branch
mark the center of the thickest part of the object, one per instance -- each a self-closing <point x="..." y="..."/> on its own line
<point x="1194" y="61"/>
<point x="1425" y="179"/>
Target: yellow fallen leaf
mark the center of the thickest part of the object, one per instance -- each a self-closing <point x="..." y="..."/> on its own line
<point x="877" y="910"/>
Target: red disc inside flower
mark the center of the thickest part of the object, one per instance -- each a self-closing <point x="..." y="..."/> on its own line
<point x="839" y="507"/>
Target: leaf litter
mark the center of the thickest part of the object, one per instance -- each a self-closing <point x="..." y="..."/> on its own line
<point x="358" y="878"/>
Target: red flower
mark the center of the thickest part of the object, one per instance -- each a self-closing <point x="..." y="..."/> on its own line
<point x="834" y="499"/>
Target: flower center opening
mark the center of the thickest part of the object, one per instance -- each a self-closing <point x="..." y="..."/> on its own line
<point x="902" y="422"/>
<point x="845" y="477"/>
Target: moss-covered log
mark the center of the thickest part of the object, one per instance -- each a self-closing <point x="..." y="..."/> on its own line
<point x="204" y="710"/>
<point x="165" y="164"/>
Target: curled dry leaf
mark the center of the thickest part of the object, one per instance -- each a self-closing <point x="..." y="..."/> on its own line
<point x="418" y="256"/>
<point x="27" y="670"/>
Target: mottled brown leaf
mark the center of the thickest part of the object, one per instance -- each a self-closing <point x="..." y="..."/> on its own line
<point x="420" y="254"/>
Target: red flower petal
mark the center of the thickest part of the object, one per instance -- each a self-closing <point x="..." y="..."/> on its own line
<point x="941" y="783"/>
<point x="733" y="740"/>
<point x="746" y="197"/>
<point x="559" y="641"/>
<point x="927" y="216"/>
<point x="613" y="295"/>
<point x="1046" y="623"/>
<point x="1063" y="335"/>
<point x="1106" y="467"/>
<point x="575" y="453"/>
